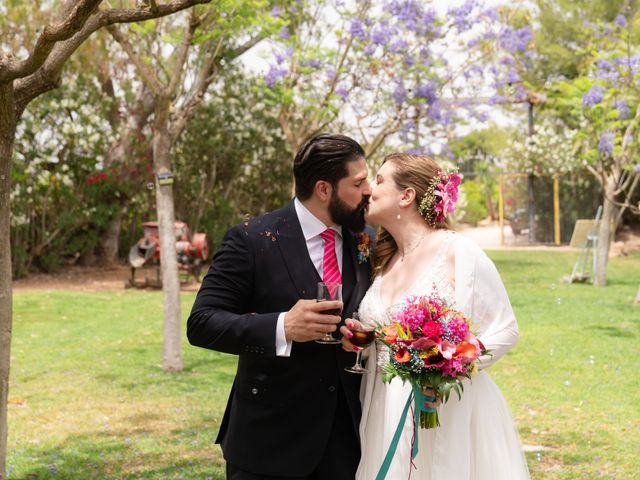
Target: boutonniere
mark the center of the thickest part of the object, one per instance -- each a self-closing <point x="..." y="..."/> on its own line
<point x="365" y="246"/>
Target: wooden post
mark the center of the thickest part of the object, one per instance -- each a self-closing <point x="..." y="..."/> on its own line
<point x="501" y="211"/>
<point x="556" y="209"/>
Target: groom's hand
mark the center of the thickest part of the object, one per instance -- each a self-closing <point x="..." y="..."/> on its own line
<point x="306" y="322"/>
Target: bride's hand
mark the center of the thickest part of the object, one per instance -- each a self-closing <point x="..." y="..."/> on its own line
<point x="347" y="346"/>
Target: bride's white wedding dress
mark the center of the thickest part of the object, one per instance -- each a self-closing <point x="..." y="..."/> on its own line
<point x="476" y="439"/>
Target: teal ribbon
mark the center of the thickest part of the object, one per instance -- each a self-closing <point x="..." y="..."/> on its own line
<point x="419" y="399"/>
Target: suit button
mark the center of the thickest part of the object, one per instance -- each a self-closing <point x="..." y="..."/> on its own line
<point x="254" y="390"/>
<point x="332" y="388"/>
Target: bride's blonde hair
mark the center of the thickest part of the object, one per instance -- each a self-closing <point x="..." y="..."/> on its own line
<point x="411" y="171"/>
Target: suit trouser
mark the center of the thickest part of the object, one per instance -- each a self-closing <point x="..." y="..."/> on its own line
<point x="339" y="461"/>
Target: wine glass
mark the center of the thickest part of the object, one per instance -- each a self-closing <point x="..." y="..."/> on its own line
<point x="329" y="291"/>
<point x="363" y="336"/>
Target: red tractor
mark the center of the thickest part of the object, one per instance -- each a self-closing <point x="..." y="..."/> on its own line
<point x="192" y="253"/>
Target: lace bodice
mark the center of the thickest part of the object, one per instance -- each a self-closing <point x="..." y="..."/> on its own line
<point x="434" y="279"/>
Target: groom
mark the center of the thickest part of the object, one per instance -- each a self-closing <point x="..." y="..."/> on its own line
<point x="293" y="411"/>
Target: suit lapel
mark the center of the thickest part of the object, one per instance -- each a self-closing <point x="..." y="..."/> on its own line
<point x="349" y="267"/>
<point x="293" y="249"/>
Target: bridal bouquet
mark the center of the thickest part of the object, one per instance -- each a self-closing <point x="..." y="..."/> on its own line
<point x="433" y="347"/>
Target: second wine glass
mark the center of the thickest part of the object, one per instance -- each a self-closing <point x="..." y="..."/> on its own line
<point x="363" y="336"/>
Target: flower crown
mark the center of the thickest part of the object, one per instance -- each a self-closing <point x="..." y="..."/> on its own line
<point x="440" y="197"/>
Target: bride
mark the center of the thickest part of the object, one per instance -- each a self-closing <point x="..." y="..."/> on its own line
<point x="417" y="254"/>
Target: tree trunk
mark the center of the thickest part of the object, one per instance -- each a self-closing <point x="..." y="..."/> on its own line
<point x="122" y="149"/>
<point x="7" y="134"/>
<point x="110" y="239"/>
<point x="605" y="233"/>
<point x="172" y="338"/>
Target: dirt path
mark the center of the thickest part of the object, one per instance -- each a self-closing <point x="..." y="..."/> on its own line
<point x="95" y="279"/>
<point x="85" y="279"/>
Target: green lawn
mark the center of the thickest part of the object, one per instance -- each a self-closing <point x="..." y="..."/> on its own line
<point x="88" y="398"/>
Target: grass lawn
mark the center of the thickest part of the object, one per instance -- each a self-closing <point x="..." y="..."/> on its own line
<point x="88" y="398"/>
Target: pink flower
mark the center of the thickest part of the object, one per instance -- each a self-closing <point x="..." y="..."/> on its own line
<point x="447" y="192"/>
<point x="447" y="349"/>
<point x="454" y="367"/>
<point x="459" y="328"/>
<point x="432" y="330"/>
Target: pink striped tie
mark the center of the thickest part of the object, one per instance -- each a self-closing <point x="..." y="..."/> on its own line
<point x="330" y="270"/>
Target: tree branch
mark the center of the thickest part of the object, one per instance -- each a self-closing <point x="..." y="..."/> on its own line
<point x="144" y="69"/>
<point x="180" y="56"/>
<point x="50" y="36"/>
<point x="47" y="76"/>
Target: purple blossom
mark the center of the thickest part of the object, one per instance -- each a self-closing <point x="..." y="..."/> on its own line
<point x="461" y="15"/>
<point x="489" y="35"/>
<point x="607" y="71"/>
<point x="630" y="63"/>
<point x="330" y="72"/>
<point x="482" y="116"/>
<point x="399" y="94"/>
<point x="492" y="14"/>
<point x="517" y="40"/>
<point x="494" y="99"/>
<point x="636" y="169"/>
<point x="405" y="10"/>
<point x="370" y="49"/>
<point x="406" y="130"/>
<point x="428" y="91"/>
<point x="428" y="19"/>
<point x="284" y="33"/>
<point x="276" y="11"/>
<point x="520" y="93"/>
<point x="605" y="146"/>
<point x="623" y="108"/>
<point x="342" y="92"/>
<point x="512" y="77"/>
<point x="274" y="75"/>
<point x="357" y="29"/>
<point x="398" y="46"/>
<point x="409" y="61"/>
<point x="382" y="35"/>
<point x="312" y="62"/>
<point x="593" y="96"/>
<point x="435" y="112"/>
<point x="621" y="21"/>
<point x="418" y="151"/>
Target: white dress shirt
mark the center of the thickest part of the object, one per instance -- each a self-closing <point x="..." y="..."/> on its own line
<point x="312" y="227"/>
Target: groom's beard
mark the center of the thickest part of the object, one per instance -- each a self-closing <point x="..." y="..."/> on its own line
<point x="343" y="215"/>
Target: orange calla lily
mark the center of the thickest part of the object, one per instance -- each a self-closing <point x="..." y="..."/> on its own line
<point x="466" y="349"/>
<point x="390" y="334"/>
<point x="402" y="355"/>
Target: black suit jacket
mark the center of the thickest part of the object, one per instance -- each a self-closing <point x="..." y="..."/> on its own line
<point x="280" y="410"/>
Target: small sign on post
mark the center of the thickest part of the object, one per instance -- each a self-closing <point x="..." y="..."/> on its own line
<point x="165" y="178"/>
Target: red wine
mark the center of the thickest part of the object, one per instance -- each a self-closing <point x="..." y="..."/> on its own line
<point x="362" y="338"/>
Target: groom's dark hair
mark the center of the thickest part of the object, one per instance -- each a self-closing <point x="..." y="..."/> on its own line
<point x="323" y="157"/>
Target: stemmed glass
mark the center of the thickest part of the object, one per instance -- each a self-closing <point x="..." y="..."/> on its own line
<point x="329" y="291"/>
<point x="363" y="336"/>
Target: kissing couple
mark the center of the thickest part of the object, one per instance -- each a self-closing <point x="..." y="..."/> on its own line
<point x="294" y="411"/>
